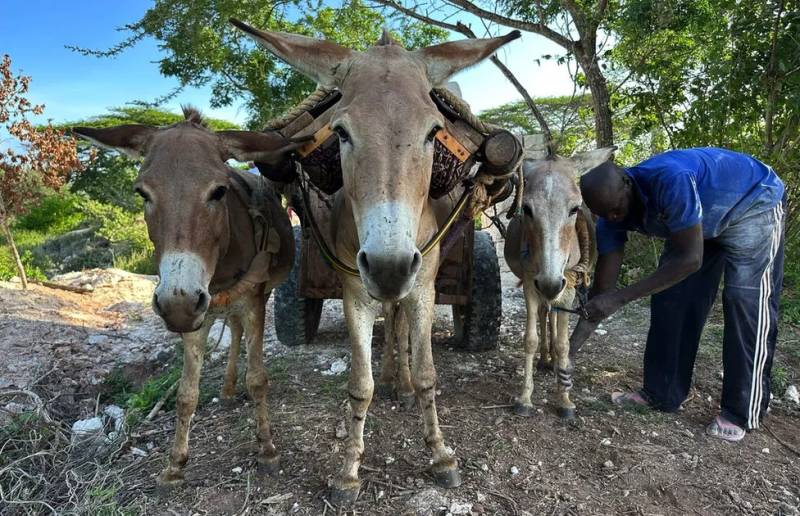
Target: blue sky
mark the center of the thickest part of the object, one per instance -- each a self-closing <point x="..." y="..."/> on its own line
<point x="34" y="32"/>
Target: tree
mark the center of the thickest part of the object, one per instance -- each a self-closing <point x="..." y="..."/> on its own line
<point x="202" y="48"/>
<point x="43" y="159"/>
<point x="557" y="20"/>
<point x="717" y="72"/>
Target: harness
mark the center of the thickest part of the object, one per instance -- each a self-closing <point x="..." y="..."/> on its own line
<point x="463" y="141"/>
<point x="265" y="237"/>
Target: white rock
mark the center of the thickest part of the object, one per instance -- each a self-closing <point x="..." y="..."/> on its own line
<point x="138" y="452"/>
<point x="601" y="332"/>
<point x="480" y="496"/>
<point x="214" y="400"/>
<point x="219" y="439"/>
<point x="765" y="450"/>
<point x="236" y="470"/>
<point x="792" y="395"/>
<point x="87" y="426"/>
<point x="114" y="412"/>
<point x="608" y="464"/>
<point x="606" y="442"/>
<point x="484" y="467"/>
<point x="341" y="430"/>
<point x="338" y="366"/>
<point x="514" y="471"/>
<point x="97" y="339"/>
<point x="460" y="508"/>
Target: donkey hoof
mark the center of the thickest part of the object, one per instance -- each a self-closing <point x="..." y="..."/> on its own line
<point x="385" y="391"/>
<point x="566" y="413"/>
<point x="448" y="478"/>
<point x="169" y="479"/>
<point x="523" y="410"/>
<point x="344" y="497"/>
<point x="544" y="366"/>
<point x="407" y="400"/>
<point x="268" y="466"/>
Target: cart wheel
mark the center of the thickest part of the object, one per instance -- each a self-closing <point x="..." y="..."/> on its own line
<point x="477" y="325"/>
<point x="296" y="318"/>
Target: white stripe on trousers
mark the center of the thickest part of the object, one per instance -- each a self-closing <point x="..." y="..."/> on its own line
<point x="763" y="326"/>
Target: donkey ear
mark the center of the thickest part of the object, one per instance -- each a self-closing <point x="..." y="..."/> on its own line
<point x="585" y="161"/>
<point x="128" y="139"/>
<point x="270" y="148"/>
<point x="318" y="59"/>
<point x="444" y="60"/>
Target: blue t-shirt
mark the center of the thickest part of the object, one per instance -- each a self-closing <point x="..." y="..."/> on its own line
<point x="681" y="188"/>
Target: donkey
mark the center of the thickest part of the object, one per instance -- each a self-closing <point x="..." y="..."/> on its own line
<point x="387" y="123"/>
<point x="222" y="243"/>
<point x="542" y="246"/>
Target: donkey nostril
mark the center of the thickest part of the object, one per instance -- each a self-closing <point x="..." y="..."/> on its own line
<point x="563" y="283"/>
<point x="416" y="263"/>
<point x="536" y="284"/>
<point x="202" y="302"/>
<point x="363" y="264"/>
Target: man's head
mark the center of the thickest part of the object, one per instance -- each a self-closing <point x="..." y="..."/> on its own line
<point x="608" y="191"/>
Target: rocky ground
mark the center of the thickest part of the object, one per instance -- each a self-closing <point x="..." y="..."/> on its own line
<point x="607" y="462"/>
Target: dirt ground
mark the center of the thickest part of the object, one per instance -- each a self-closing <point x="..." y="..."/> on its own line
<point x="608" y="462"/>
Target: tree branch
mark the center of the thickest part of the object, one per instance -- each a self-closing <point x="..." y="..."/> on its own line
<point x="466" y="31"/>
<point x="537" y="28"/>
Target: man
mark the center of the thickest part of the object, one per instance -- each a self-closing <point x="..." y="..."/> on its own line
<point x="719" y="211"/>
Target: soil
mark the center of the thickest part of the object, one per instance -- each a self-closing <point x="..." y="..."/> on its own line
<point x="609" y="461"/>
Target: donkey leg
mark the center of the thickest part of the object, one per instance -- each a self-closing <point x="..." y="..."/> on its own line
<point x="566" y="409"/>
<point x="545" y="362"/>
<point x="228" y="391"/>
<point x="194" y="346"/>
<point x="258" y="384"/>
<point x="405" y="387"/>
<point x="523" y="405"/>
<point x="386" y="384"/>
<point x="419" y="312"/>
<point x="360" y="313"/>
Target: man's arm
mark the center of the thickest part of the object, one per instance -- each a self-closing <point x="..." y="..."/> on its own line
<point x="686" y="257"/>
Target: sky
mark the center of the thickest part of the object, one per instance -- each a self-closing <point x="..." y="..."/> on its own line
<point x="72" y="87"/>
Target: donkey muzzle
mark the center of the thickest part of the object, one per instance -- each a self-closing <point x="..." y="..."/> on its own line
<point x="181" y="297"/>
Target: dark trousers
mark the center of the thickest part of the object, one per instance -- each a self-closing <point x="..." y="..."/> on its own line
<point x="750" y="254"/>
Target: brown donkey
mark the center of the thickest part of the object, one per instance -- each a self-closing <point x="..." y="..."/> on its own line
<point x="386" y="122"/>
<point x="542" y="247"/>
<point x="222" y="243"/>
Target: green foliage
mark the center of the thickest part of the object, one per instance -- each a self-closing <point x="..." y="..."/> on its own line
<point x="139" y="403"/>
<point x="202" y="49"/>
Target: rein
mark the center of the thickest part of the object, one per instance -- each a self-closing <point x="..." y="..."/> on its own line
<point x="341" y="266"/>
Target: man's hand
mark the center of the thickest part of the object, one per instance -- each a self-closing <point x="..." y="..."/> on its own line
<point x="603" y="305"/>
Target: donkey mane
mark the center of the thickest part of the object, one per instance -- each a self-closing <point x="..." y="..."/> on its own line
<point x="386" y="39"/>
<point x="192" y="115"/>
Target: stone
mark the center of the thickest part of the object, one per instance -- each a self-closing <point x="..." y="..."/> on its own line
<point x="792" y="394"/>
<point x="236" y="470"/>
<point x="601" y="332"/>
<point x="427" y="502"/>
<point x="85" y="427"/>
<point x="341" y="430"/>
<point x="514" y="471"/>
<point x="338" y="366"/>
<point x="608" y="464"/>
<point x="460" y="508"/>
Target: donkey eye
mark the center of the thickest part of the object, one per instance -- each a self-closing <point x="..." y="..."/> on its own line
<point x="141" y="193"/>
<point x="574" y="211"/>
<point x="218" y="193"/>
<point x="432" y="135"/>
<point x="343" y="136"/>
<point x="527" y="210"/>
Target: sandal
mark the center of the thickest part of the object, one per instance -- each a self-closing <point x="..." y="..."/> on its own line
<point x="723" y="429"/>
<point x="628" y="399"/>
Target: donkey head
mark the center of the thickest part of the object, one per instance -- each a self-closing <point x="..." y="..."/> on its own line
<point x="551" y="202"/>
<point x="386" y="122"/>
<point x="184" y="180"/>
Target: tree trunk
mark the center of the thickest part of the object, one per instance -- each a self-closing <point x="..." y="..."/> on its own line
<point x="17" y="259"/>
<point x="601" y="99"/>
